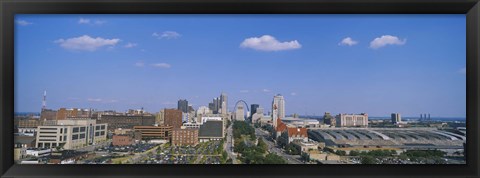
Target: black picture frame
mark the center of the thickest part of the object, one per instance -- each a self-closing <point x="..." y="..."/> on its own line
<point x="8" y="8"/>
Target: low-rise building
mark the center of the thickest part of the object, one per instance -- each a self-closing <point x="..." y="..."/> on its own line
<point x="67" y="156"/>
<point x="153" y="132"/>
<point x="38" y="152"/>
<point x="185" y="136"/>
<point x="304" y="147"/>
<point x="71" y="134"/>
<point x="211" y="130"/>
<point x="122" y="140"/>
<point x="121" y="131"/>
<point x="19" y="153"/>
<point x="23" y="141"/>
<point x="126" y="121"/>
<point x="352" y="120"/>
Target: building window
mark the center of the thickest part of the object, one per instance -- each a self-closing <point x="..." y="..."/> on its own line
<point x="82" y="129"/>
<point x="75" y="130"/>
<point x="74" y="137"/>
<point x="82" y="136"/>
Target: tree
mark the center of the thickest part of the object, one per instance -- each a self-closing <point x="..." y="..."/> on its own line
<point x="292" y="149"/>
<point x="261" y="146"/>
<point x="341" y="152"/>
<point x="354" y="153"/>
<point x="367" y="160"/>
<point x="272" y="158"/>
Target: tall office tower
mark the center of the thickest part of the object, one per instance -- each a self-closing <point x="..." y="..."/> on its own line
<point x="173" y="117"/>
<point x="396" y="118"/>
<point x="183" y="105"/>
<point x="279" y="102"/>
<point x="160" y="117"/>
<point x="239" y="113"/>
<point x="215" y="105"/>
<point x="253" y="108"/>
<point x="211" y="107"/>
<point x="274" y="115"/>
<point x="428" y="116"/>
<point x="223" y="103"/>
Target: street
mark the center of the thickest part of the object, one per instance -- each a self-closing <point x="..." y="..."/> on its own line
<point x="228" y="146"/>
<point x="291" y="159"/>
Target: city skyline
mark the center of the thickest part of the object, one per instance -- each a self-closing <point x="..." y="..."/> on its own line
<point x="408" y="64"/>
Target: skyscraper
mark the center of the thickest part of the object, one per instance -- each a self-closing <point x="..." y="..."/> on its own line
<point x="183" y="105"/>
<point x="253" y="108"/>
<point x="396" y="118"/>
<point x="223" y="103"/>
<point x="279" y="102"/>
<point x="173" y="117"/>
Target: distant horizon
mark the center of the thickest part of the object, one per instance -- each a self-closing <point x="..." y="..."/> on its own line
<point x="403" y="117"/>
<point x="375" y="64"/>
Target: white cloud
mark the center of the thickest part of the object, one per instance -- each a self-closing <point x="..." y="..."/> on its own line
<point x="348" y="42"/>
<point x="23" y="22"/>
<point x="269" y="43"/>
<point x="99" y="100"/>
<point x="266" y="90"/>
<point x="94" y="99"/>
<point x="86" y="43"/>
<point x="386" y="40"/>
<point x="92" y="22"/>
<point x="463" y="71"/>
<point x="293" y="94"/>
<point x="130" y="45"/>
<point x="244" y="91"/>
<point x="139" y="64"/>
<point x="162" y="65"/>
<point x="167" y="35"/>
<point x="83" y="21"/>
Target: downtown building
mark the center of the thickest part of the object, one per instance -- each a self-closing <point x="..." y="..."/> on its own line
<point x="185" y="136"/>
<point x="71" y="134"/>
<point x="396" y="118"/>
<point x="173" y="117"/>
<point x="125" y="121"/>
<point x="278" y="108"/>
<point x="352" y="120"/>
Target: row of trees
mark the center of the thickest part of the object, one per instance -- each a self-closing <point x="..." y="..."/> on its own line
<point x="257" y="154"/>
<point x="242" y="128"/>
<point x="252" y="153"/>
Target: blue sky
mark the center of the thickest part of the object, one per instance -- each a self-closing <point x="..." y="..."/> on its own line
<point x="377" y="64"/>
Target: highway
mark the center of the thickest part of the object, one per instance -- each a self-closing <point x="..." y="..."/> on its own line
<point x="291" y="159"/>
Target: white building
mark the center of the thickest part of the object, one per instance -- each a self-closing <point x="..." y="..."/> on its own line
<point x="278" y="108"/>
<point x="239" y="113"/>
<point x="205" y="119"/>
<point x="352" y="120"/>
<point x="71" y="134"/>
<point x="37" y="152"/>
<point x="203" y="110"/>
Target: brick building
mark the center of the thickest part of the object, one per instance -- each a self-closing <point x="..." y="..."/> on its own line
<point x="173" y="117"/>
<point x="185" y="136"/>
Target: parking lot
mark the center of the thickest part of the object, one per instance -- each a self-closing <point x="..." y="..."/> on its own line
<point x="137" y="148"/>
<point x="203" y="153"/>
